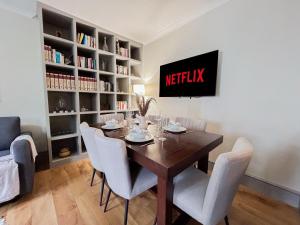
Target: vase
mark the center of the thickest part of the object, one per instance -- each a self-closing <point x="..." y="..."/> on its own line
<point x="143" y="122"/>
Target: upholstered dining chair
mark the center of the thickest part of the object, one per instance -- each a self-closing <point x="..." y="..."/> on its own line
<point x="193" y="124"/>
<point x="105" y="117"/>
<point x="208" y="199"/>
<point x="88" y="135"/>
<point x="122" y="178"/>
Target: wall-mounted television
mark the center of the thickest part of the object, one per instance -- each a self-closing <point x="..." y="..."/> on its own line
<point x="191" y="77"/>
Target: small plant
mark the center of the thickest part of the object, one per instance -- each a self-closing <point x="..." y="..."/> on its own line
<point x="143" y="104"/>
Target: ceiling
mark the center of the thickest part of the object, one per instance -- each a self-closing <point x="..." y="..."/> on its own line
<point x="140" y="20"/>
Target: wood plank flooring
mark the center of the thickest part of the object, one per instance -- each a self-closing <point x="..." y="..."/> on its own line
<point x="62" y="196"/>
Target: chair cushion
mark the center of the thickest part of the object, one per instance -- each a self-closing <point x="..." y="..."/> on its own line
<point x="9" y="130"/>
<point x="189" y="191"/>
<point x="142" y="181"/>
<point x="4" y="152"/>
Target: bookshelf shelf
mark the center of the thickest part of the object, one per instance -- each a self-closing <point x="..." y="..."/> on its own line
<point x="102" y="52"/>
<point x="59" y="65"/>
<point x="55" y="39"/>
<point x="59" y="90"/>
<point x="66" y="136"/>
<point x="102" y="77"/>
<point x="63" y="114"/>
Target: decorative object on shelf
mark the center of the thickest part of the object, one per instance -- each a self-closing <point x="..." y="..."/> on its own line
<point x="103" y="65"/>
<point x="61" y="105"/>
<point x="117" y="47"/>
<point x="69" y="60"/>
<point x="105" y="46"/>
<point x="64" y="152"/>
<point x="105" y="86"/>
<point x="58" y="34"/>
<point x="83" y="109"/>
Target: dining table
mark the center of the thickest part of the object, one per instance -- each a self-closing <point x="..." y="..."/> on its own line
<point x="167" y="155"/>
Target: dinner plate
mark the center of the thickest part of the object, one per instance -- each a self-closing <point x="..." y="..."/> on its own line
<point x="106" y="127"/>
<point x="147" y="138"/>
<point x="177" y="130"/>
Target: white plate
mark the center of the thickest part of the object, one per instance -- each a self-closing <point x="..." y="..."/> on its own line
<point x="178" y="130"/>
<point x="148" y="137"/>
<point x="118" y="126"/>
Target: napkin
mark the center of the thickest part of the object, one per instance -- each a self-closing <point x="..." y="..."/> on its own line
<point x="111" y="123"/>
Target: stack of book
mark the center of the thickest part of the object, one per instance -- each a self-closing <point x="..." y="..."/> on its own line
<point x="122" y="105"/>
<point x="124" y="52"/>
<point x="60" y="81"/>
<point x="87" y="84"/>
<point x="86" y="40"/>
<point x="52" y="55"/>
<point x="85" y="62"/>
<point x="105" y="86"/>
<point x="122" y="70"/>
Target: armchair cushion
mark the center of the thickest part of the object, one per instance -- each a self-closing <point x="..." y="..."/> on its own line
<point x="9" y="130"/>
<point x="4" y="152"/>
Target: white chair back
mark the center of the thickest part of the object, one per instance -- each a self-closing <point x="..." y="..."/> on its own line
<point x="193" y="124"/>
<point x="224" y="181"/>
<point x="115" y="164"/>
<point x="106" y="117"/>
<point x="88" y="134"/>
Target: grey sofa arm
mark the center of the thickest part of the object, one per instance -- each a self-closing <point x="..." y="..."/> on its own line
<point x="23" y="156"/>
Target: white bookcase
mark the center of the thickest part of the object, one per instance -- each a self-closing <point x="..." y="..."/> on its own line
<point x="59" y="30"/>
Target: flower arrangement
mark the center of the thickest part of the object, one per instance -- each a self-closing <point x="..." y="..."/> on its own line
<point x="143" y="104"/>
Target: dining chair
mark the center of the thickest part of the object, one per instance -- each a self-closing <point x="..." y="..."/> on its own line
<point x="123" y="179"/>
<point x="208" y="199"/>
<point x="88" y="135"/>
<point x="192" y="124"/>
<point x="106" y="117"/>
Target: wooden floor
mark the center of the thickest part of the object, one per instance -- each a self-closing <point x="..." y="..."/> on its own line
<point x="62" y="196"/>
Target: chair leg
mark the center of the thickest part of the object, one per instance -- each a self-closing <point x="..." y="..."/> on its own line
<point x="126" y="211"/>
<point x="226" y="220"/>
<point x="155" y="221"/>
<point x="107" y="200"/>
<point x="102" y="188"/>
<point x="94" y="172"/>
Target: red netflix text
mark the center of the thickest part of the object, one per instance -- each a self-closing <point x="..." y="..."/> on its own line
<point x="195" y="76"/>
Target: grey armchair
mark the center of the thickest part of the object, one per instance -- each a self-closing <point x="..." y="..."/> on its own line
<point x="10" y="129"/>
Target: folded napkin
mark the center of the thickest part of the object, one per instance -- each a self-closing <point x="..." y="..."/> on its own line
<point x="111" y="122"/>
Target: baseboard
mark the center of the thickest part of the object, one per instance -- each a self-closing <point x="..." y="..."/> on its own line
<point x="270" y="190"/>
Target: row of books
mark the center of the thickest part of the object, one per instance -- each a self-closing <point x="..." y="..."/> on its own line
<point x="122" y="69"/>
<point x="52" y="55"/>
<point x="86" y="40"/>
<point x="60" y="81"/>
<point x="87" y="84"/>
<point x="122" y="105"/>
<point x="85" y="62"/>
<point x="105" y="86"/>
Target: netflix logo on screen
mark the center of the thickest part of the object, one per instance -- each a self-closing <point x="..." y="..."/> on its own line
<point x="191" y="77"/>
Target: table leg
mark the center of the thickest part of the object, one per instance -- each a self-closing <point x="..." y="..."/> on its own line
<point x="164" y="201"/>
<point x="203" y="164"/>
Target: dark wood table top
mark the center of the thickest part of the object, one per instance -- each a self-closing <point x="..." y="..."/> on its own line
<point x="169" y="157"/>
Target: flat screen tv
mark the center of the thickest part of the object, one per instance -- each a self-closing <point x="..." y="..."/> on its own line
<point x="191" y="77"/>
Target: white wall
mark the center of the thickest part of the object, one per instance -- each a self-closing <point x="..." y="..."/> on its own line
<point x="258" y="90"/>
<point x="21" y="80"/>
